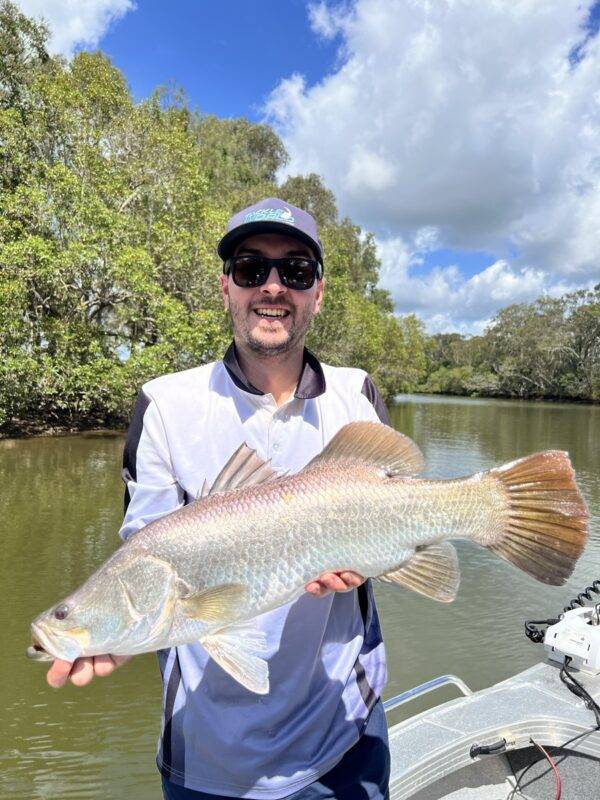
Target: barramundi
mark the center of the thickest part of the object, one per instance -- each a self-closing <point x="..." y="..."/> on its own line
<point x="252" y="542"/>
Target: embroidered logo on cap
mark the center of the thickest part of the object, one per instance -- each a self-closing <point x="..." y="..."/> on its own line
<point x="274" y="214"/>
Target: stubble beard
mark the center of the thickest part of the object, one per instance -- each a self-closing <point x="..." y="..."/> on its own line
<point x="261" y="347"/>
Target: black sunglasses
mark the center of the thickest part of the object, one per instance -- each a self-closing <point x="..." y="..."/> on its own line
<point x="295" y="272"/>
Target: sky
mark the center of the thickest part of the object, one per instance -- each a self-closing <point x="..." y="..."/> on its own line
<point x="465" y="134"/>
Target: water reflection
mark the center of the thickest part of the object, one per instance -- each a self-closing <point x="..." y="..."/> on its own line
<point x="61" y="506"/>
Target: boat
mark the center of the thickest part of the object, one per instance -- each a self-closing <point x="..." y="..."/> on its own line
<point x="525" y="738"/>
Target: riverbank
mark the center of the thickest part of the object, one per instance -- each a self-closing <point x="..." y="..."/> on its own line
<point x="583" y="401"/>
<point x="34" y="428"/>
<point x="30" y="429"/>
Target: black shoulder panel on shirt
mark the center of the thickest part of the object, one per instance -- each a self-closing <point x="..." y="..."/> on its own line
<point x="132" y="440"/>
<point x="365" y="590"/>
<point x="372" y="394"/>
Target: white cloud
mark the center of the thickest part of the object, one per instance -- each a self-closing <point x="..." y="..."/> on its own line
<point x="325" y="21"/>
<point x="446" y="300"/>
<point x="460" y="124"/>
<point x="74" y="23"/>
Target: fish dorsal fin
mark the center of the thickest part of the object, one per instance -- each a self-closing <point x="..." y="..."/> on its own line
<point x="243" y="469"/>
<point x="239" y="649"/>
<point x="376" y="444"/>
<point x="432" y="571"/>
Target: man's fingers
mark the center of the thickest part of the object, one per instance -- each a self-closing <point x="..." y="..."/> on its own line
<point x="352" y="579"/>
<point x="82" y="672"/>
<point x="120" y="659"/>
<point x="103" y="666"/>
<point x="334" y="582"/>
<point x="58" y="674"/>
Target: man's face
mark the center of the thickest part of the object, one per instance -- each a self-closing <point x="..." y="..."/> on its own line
<point x="269" y="335"/>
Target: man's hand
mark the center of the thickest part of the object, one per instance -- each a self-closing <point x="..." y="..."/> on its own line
<point x="82" y="670"/>
<point x="334" y="582"/>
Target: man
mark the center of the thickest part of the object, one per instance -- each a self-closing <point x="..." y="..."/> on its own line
<point x="320" y="732"/>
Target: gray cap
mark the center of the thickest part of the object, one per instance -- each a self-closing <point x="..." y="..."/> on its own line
<point x="271" y="216"/>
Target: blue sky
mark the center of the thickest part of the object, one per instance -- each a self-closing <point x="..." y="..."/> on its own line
<point x="465" y="136"/>
<point x="227" y="56"/>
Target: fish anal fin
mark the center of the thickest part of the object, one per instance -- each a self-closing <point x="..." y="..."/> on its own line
<point x="218" y="604"/>
<point x="238" y="649"/>
<point x="244" y="468"/>
<point x="432" y="571"/>
<point x="375" y="444"/>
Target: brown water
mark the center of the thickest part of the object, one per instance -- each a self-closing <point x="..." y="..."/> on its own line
<point x="61" y="506"/>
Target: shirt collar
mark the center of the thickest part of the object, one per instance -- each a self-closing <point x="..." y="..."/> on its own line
<point x="311" y="383"/>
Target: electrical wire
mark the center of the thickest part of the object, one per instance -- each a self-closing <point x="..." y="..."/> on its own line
<point x="583" y="596"/>
<point x="537" y="635"/>
<point x="574" y="686"/>
<point x="519" y="780"/>
<point x="554" y="768"/>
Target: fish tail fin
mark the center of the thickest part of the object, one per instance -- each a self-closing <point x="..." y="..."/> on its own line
<point x="546" y="529"/>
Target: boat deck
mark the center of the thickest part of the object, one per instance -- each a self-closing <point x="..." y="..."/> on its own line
<point x="431" y="752"/>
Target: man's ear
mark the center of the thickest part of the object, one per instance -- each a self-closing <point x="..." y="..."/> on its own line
<point x="319" y="295"/>
<point x="224" y="281"/>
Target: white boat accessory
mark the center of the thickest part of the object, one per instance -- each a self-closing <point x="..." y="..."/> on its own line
<point x="576" y="634"/>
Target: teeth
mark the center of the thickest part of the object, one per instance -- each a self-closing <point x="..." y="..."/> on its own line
<point x="271" y="312"/>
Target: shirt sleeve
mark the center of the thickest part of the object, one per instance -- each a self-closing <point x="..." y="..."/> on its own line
<point x="151" y="487"/>
<point x="371" y="392"/>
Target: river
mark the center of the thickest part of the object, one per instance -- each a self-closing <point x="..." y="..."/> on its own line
<point x="61" y="504"/>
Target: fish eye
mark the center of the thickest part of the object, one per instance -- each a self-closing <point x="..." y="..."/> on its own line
<point x="61" y="611"/>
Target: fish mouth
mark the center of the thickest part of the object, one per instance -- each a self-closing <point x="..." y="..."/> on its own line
<point x="47" y="643"/>
<point x="36" y="650"/>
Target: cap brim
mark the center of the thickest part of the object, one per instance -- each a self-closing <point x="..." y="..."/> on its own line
<point x="230" y="241"/>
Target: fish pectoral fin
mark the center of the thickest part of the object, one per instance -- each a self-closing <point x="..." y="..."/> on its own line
<point x="237" y="649"/>
<point x="218" y="604"/>
<point x="244" y="468"/>
<point x="432" y="571"/>
<point x="375" y="444"/>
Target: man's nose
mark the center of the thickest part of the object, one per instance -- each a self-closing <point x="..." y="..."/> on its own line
<point x="273" y="284"/>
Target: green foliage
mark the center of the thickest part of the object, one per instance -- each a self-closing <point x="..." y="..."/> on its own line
<point x="449" y="380"/>
<point x="110" y="214"/>
<point x="549" y="348"/>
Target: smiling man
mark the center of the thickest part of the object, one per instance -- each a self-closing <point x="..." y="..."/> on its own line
<point x="321" y="731"/>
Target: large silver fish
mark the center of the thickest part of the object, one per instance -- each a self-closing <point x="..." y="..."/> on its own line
<point x="253" y="542"/>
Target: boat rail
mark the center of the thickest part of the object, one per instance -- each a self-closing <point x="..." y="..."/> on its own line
<point x="424" y="688"/>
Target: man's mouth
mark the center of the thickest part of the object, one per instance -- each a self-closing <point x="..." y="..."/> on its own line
<point x="271" y="313"/>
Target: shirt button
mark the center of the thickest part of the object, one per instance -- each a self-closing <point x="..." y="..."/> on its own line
<point x="276" y="446"/>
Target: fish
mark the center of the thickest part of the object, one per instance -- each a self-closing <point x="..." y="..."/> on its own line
<point x="252" y="541"/>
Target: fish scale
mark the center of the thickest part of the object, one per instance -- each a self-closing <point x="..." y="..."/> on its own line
<point x="252" y="543"/>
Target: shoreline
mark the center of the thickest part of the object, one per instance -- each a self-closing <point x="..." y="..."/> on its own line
<point x="31" y="429"/>
<point x="573" y="401"/>
<point x="38" y="431"/>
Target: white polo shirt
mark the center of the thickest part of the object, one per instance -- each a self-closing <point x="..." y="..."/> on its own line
<point x="326" y="658"/>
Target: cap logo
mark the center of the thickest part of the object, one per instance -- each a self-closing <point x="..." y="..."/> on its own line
<point x="271" y="214"/>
